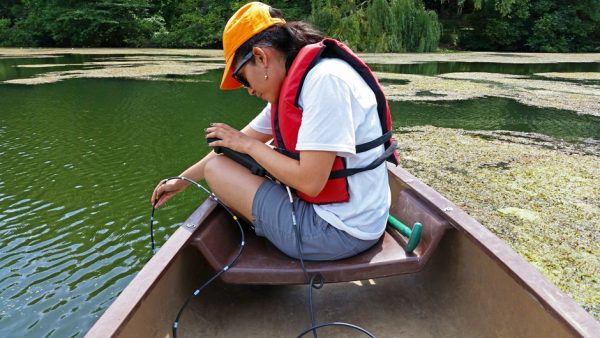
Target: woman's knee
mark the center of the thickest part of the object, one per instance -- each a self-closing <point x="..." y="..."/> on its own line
<point x="214" y="168"/>
<point x="223" y="171"/>
<point x="232" y="183"/>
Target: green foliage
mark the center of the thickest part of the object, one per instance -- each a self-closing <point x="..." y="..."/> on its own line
<point x="4" y="30"/>
<point x="364" y="25"/>
<point x="564" y="28"/>
<point x="527" y="25"/>
<point x="378" y="25"/>
<point x="79" y="23"/>
<point x="193" y="24"/>
<point x="130" y="23"/>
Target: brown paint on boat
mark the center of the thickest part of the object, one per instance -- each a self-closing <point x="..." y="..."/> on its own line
<point x="467" y="284"/>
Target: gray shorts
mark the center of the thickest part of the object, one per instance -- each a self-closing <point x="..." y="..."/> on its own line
<point x="272" y="211"/>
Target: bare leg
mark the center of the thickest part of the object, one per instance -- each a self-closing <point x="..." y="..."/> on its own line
<point x="233" y="184"/>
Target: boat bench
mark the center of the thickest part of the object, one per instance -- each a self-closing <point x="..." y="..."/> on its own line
<point x="262" y="263"/>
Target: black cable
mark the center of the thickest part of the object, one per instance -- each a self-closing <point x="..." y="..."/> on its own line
<point x="152" y="230"/>
<point x="352" y="326"/>
<point x="311" y="283"/>
<point x="224" y="269"/>
<point x="310" y="279"/>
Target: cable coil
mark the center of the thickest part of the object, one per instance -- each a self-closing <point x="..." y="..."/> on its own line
<point x="216" y="275"/>
<point x="312" y="280"/>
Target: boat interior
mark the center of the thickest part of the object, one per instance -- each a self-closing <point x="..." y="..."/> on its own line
<point x="261" y="263"/>
<point x="461" y="281"/>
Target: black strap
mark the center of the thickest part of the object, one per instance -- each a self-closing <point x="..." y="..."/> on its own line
<point x="377" y="162"/>
<point x="372" y="144"/>
<point x="288" y="153"/>
<point x="359" y="148"/>
<point x="363" y="147"/>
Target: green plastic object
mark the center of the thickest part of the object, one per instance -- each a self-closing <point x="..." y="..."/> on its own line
<point x="414" y="234"/>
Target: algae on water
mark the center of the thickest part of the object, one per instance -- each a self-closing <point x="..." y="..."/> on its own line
<point x="543" y="201"/>
<point x="579" y="97"/>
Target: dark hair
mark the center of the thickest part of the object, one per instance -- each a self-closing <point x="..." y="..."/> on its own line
<point x="288" y="38"/>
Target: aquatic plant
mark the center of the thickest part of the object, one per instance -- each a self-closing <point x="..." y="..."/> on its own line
<point x="538" y="194"/>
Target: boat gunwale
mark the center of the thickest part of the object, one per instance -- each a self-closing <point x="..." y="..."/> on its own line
<point x="121" y="310"/>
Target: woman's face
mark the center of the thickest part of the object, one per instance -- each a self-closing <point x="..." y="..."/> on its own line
<point x="262" y="73"/>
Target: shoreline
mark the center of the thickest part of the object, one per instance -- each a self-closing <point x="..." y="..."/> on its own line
<point x="390" y="58"/>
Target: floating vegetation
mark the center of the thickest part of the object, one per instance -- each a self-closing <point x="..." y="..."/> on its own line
<point x="538" y="194"/>
<point x="571" y="76"/>
<point x="153" y="64"/>
<point x="579" y="97"/>
<point x="54" y="52"/>
<point x="157" y="63"/>
<point x="46" y="65"/>
<point x="124" y="69"/>
<point x="520" y="58"/>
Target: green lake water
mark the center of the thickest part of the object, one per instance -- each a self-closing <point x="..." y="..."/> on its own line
<point x="79" y="159"/>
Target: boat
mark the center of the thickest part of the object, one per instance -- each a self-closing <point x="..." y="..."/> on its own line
<point x="460" y="281"/>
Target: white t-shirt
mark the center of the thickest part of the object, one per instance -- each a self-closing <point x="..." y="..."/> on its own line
<point x="340" y="112"/>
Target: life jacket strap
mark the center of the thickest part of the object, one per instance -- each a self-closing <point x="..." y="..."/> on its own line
<point x="359" y="148"/>
<point x="389" y="152"/>
<point x="374" y="143"/>
<point x="377" y="162"/>
<point x="288" y="153"/>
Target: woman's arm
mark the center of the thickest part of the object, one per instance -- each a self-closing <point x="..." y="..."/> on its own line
<point x="165" y="190"/>
<point x="309" y="174"/>
<point x="196" y="171"/>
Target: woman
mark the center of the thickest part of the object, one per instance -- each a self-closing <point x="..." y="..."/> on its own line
<point x="319" y="109"/>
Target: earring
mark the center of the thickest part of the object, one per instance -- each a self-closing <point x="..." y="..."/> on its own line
<point x="266" y="76"/>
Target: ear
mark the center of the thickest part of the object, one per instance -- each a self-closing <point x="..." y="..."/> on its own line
<point x="261" y="56"/>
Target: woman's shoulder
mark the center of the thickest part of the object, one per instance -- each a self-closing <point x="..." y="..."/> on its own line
<point x="332" y="66"/>
<point x="332" y="69"/>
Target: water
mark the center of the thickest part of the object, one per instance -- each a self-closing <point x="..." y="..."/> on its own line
<point x="495" y="113"/>
<point x="436" y="68"/>
<point x="9" y="69"/>
<point x="79" y="159"/>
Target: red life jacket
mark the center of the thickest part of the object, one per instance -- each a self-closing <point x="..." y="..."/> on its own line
<point x="286" y="117"/>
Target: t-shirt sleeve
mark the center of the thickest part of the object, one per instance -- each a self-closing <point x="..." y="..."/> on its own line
<point x="327" y="122"/>
<point x="262" y="122"/>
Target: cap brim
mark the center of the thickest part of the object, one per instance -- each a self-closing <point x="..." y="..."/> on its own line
<point x="228" y="82"/>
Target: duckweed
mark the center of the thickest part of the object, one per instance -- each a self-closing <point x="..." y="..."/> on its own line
<point x="579" y="97"/>
<point x="571" y="76"/>
<point x="125" y="69"/>
<point x="539" y="195"/>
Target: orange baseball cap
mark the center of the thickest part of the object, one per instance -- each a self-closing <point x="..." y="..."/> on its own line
<point x="248" y="21"/>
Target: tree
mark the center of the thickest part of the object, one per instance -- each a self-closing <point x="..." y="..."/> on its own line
<point x="378" y="25"/>
<point x="527" y="25"/>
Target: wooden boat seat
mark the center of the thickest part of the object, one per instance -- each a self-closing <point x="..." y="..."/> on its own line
<point x="262" y="263"/>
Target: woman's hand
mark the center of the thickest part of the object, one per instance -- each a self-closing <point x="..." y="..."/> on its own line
<point x="230" y="137"/>
<point x="165" y="190"/>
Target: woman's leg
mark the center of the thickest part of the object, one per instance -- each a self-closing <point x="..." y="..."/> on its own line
<point x="234" y="184"/>
<point x="237" y="188"/>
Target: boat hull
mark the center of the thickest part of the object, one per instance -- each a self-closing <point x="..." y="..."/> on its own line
<point x="473" y="286"/>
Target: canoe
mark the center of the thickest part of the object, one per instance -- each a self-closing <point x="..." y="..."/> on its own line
<point x="461" y="280"/>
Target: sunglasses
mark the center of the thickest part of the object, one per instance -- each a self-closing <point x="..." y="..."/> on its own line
<point x="239" y="78"/>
